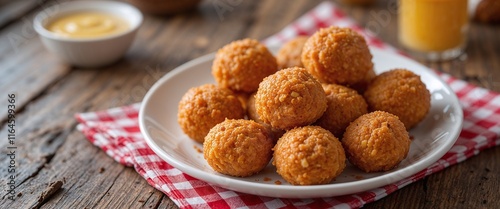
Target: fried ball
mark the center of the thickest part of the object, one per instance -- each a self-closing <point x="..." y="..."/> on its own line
<point x="289" y="98"/>
<point x="290" y="53"/>
<point x="252" y="114"/>
<point x="241" y="65"/>
<point x="344" y="106"/>
<point x="337" y="55"/>
<point x="238" y="147"/>
<point x="400" y="92"/>
<point x="376" y="141"/>
<point x="309" y="155"/>
<point x="203" y="107"/>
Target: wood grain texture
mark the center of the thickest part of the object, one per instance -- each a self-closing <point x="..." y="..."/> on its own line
<point x="50" y="92"/>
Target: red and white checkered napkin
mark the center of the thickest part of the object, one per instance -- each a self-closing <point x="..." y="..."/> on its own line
<point x="116" y="131"/>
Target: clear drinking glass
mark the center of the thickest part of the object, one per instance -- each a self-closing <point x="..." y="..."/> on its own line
<point x="433" y="29"/>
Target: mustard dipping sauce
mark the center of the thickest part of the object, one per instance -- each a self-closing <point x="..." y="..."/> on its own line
<point x="88" y="24"/>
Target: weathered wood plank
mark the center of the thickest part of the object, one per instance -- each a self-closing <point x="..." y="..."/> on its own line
<point x="166" y="203"/>
<point x="66" y="161"/>
<point x="18" y="33"/>
<point x="14" y="10"/>
<point x="25" y="65"/>
<point x="470" y="184"/>
<point x="27" y="77"/>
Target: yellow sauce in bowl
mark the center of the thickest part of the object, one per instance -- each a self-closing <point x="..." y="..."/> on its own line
<point x="88" y="24"/>
<point x="432" y="25"/>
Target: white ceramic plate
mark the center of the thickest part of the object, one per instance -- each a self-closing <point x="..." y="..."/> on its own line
<point x="432" y="138"/>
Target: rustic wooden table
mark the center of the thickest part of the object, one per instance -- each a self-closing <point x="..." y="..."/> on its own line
<point x="49" y="93"/>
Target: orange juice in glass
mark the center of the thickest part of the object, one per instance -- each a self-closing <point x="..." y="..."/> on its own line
<point x="433" y="29"/>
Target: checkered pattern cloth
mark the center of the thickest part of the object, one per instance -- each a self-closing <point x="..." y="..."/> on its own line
<point x="116" y="131"/>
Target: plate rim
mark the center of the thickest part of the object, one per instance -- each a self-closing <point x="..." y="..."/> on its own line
<point x="374" y="182"/>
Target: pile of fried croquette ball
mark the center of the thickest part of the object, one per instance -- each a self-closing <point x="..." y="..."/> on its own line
<point x="311" y="108"/>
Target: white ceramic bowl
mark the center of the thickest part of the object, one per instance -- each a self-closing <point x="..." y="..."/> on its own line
<point x="89" y="52"/>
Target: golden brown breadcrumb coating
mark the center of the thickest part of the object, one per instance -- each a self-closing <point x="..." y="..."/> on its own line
<point x="203" y="107"/>
<point x="337" y="55"/>
<point x="309" y="155"/>
<point x="290" y="53"/>
<point x="241" y="65"/>
<point x="238" y="147"/>
<point x="400" y="92"/>
<point x="289" y="98"/>
<point x="376" y="141"/>
<point x="344" y="106"/>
